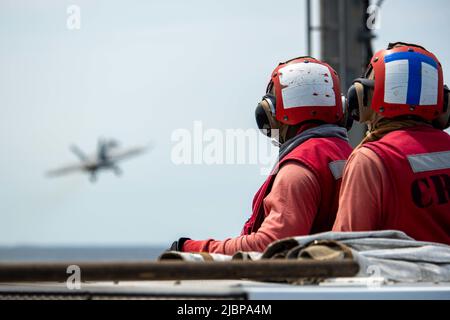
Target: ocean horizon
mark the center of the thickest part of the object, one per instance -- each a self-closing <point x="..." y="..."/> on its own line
<point x="79" y="253"/>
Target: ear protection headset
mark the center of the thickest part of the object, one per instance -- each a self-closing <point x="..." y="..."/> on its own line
<point x="358" y="94"/>
<point x="265" y="114"/>
<point x="357" y="98"/>
<point x="443" y="121"/>
<point x="347" y="119"/>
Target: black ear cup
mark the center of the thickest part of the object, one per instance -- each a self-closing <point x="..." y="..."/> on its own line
<point x="446" y="98"/>
<point x="357" y="97"/>
<point x="443" y="121"/>
<point x="447" y="107"/>
<point x="352" y="103"/>
<point x="347" y="120"/>
<point x="262" y="114"/>
<point x="262" y="120"/>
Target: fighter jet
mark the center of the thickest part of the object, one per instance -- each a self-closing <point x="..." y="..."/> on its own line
<point x="106" y="158"/>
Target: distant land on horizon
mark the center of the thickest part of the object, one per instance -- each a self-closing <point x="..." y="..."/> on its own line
<point x="27" y="253"/>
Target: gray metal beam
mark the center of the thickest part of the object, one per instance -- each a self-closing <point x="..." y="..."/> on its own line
<point x="344" y="45"/>
<point x="178" y="270"/>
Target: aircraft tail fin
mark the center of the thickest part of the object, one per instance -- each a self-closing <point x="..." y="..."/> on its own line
<point x="79" y="153"/>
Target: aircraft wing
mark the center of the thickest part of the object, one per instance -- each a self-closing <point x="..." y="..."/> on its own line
<point x="66" y="170"/>
<point x="118" y="155"/>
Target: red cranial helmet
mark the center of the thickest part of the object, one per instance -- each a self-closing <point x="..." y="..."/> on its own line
<point x="407" y="80"/>
<point x="305" y="89"/>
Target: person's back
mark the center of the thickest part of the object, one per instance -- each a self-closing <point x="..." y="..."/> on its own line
<point x="419" y="182"/>
<point x="324" y="158"/>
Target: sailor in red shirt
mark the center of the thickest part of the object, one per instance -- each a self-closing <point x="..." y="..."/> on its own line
<point x="399" y="176"/>
<point x="303" y="102"/>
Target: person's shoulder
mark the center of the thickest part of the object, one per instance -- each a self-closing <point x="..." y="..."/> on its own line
<point x="365" y="159"/>
<point x="294" y="171"/>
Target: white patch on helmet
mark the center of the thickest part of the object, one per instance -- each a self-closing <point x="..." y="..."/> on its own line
<point x="306" y="85"/>
<point x="430" y="83"/>
<point x="396" y="82"/>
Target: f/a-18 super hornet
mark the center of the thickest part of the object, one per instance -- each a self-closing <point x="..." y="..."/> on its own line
<point x="106" y="158"/>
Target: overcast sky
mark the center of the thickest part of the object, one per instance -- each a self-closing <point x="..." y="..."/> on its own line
<point x="136" y="71"/>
